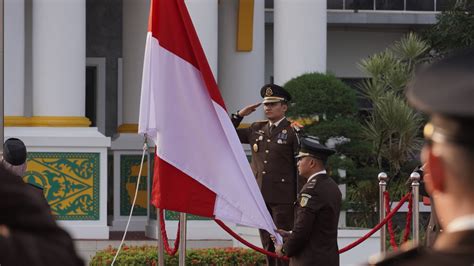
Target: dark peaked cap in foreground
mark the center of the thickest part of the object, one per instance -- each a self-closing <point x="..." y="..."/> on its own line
<point x="14" y="151"/>
<point x="446" y="89"/>
<point x="310" y="146"/>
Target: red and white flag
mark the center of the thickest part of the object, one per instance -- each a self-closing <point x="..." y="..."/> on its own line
<point x="200" y="166"/>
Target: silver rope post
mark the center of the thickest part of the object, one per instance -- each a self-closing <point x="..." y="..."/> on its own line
<point x="182" y="239"/>
<point x="415" y="187"/>
<point x="382" y="187"/>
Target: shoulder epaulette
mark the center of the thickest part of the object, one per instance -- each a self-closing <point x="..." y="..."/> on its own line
<point x="259" y="123"/>
<point x="295" y="127"/>
<point x="312" y="183"/>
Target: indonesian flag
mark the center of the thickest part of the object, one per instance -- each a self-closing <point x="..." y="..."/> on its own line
<point x="200" y="167"/>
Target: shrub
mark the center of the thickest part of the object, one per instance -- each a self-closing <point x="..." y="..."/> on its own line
<point x="147" y="255"/>
<point x="316" y="94"/>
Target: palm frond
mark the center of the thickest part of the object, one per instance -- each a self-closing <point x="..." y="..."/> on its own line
<point x="376" y="65"/>
<point x="410" y="48"/>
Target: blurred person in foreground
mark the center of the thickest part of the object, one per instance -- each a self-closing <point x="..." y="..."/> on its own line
<point x="29" y="234"/>
<point x="445" y="91"/>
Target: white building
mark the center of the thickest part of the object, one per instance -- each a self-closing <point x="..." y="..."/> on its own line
<point x="73" y="75"/>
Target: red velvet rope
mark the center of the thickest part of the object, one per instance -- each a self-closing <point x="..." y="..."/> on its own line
<point x="393" y="243"/>
<point x="263" y="251"/>
<point x="348" y="247"/>
<point x="406" y="234"/>
<point x="408" y="221"/>
<point x="378" y="226"/>
<point x="164" y="236"/>
<point x="245" y="242"/>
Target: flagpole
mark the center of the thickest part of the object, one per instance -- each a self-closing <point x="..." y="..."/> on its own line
<point x="182" y="239"/>
<point x="161" y="255"/>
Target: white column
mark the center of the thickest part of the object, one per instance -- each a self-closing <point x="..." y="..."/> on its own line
<point x="204" y="16"/>
<point x="14" y="41"/>
<point x="241" y="74"/>
<point x="299" y="38"/>
<point x="135" y="26"/>
<point x="59" y="57"/>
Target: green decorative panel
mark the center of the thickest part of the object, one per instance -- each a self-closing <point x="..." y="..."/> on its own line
<point x="129" y="170"/>
<point x="171" y="215"/>
<point x="70" y="182"/>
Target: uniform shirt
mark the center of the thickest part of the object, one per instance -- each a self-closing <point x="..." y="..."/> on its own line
<point x="314" y="175"/>
<point x="313" y="240"/>
<point x="273" y="158"/>
<point x="461" y="224"/>
<point x="277" y="122"/>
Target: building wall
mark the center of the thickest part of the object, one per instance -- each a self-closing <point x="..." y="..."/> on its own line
<point x="347" y="47"/>
<point x="104" y="39"/>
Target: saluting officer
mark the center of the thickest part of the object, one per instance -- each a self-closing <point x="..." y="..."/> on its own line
<point x="274" y="144"/>
<point x="313" y="238"/>
<point x="445" y="90"/>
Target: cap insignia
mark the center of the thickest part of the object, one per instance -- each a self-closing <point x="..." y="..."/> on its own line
<point x="268" y="92"/>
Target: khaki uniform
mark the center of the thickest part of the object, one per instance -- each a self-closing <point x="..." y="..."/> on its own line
<point x="274" y="166"/>
<point x="313" y="240"/>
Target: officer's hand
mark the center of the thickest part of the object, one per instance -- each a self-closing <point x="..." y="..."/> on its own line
<point x="272" y="237"/>
<point x="278" y="250"/>
<point x="249" y="109"/>
<point x="283" y="233"/>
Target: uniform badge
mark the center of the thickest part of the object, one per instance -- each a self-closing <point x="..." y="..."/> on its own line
<point x="304" y="199"/>
<point x="255" y="147"/>
<point x="268" y="92"/>
<point x="279" y="141"/>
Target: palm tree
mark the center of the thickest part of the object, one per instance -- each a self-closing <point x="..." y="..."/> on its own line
<point x="393" y="127"/>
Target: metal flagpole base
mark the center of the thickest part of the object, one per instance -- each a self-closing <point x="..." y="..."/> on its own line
<point x="161" y="254"/>
<point x="182" y="239"/>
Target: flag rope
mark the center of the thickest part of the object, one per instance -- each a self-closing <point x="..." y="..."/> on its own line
<point x="245" y="242"/>
<point x="145" y="148"/>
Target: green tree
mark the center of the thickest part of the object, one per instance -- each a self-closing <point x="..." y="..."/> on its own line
<point x="453" y="30"/>
<point x="393" y="127"/>
<point x="327" y="108"/>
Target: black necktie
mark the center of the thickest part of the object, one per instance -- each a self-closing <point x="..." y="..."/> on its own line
<point x="272" y="127"/>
